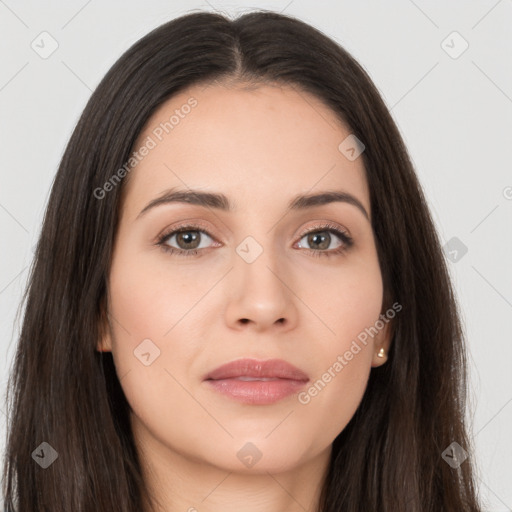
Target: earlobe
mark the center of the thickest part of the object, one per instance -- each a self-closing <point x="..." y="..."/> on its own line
<point x="382" y="345"/>
<point x="104" y="345"/>
<point x="379" y="357"/>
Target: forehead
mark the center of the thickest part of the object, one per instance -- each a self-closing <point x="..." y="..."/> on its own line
<point x="260" y="144"/>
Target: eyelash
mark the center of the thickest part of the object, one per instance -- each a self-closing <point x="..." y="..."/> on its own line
<point x="346" y="240"/>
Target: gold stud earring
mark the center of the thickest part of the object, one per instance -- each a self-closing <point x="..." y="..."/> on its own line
<point x="381" y="353"/>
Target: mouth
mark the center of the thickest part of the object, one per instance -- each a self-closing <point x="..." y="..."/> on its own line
<point x="256" y="382"/>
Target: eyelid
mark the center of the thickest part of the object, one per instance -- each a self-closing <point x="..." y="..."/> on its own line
<point x="326" y="224"/>
<point x="193" y="224"/>
<point x="185" y="225"/>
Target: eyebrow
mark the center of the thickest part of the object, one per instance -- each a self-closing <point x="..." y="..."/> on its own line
<point x="221" y="202"/>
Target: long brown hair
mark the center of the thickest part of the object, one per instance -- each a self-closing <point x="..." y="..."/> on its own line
<point x="63" y="392"/>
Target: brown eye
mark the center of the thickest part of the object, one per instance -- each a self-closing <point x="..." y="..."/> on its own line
<point x="189" y="239"/>
<point x="185" y="240"/>
<point x="319" y="241"/>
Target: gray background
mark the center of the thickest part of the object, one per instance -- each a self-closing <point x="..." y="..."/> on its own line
<point x="454" y="111"/>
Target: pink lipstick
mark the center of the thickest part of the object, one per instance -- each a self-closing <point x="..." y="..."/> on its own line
<point x="257" y="382"/>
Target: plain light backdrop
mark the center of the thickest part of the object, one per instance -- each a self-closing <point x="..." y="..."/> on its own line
<point x="443" y="68"/>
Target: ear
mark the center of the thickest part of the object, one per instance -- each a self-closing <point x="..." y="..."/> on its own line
<point x="105" y="337"/>
<point x="382" y="344"/>
<point x="104" y="344"/>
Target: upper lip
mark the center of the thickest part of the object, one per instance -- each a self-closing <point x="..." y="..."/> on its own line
<point x="271" y="368"/>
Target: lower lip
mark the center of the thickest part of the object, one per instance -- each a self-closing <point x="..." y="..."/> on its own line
<point x="257" y="392"/>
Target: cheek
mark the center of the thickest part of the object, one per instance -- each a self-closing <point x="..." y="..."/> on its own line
<point x="333" y="396"/>
<point x="143" y="309"/>
<point x="347" y="301"/>
<point x="137" y="320"/>
<point x="350" y="307"/>
<point x="156" y="328"/>
<point x="141" y="299"/>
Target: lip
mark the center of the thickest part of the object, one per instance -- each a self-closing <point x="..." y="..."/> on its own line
<point x="281" y="380"/>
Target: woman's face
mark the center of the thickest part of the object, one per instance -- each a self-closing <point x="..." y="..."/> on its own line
<point x="244" y="282"/>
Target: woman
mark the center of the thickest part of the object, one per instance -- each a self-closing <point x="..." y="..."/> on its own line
<point x="238" y="300"/>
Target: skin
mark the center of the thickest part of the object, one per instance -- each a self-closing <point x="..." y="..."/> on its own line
<point x="246" y="143"/>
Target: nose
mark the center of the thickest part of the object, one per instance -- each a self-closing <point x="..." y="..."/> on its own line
<point x="261" y="294"/>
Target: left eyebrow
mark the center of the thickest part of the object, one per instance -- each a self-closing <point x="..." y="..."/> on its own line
<point x="221" y="202"/>
<point x="302" y="202"/>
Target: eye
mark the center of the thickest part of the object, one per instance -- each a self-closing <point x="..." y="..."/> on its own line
<point x="320" y="238"/>
<point x="189" y="240"/>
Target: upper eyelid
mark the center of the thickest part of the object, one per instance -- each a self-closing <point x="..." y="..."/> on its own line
<point x="166" y="233"/>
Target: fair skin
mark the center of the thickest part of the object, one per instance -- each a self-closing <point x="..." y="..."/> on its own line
<point x="261" y="148"/>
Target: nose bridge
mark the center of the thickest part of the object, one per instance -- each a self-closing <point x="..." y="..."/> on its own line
<point x="258" y="262"/>
<point x="260" y="294"/>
